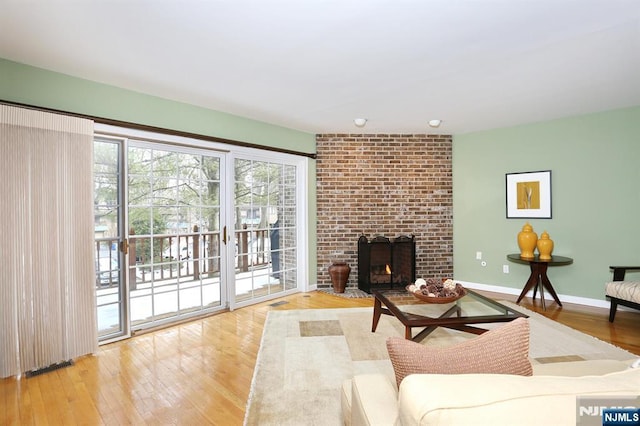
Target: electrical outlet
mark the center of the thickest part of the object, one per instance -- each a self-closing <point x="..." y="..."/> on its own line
<point x="478" y="255"/>
<point x="505" y="269"/>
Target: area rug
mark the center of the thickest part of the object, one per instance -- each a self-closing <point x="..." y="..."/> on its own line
<point x="305" y="355"/>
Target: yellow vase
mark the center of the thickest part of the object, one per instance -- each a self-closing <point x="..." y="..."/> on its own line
<point x="527" y="240"/>
<point x="545" y="246"/>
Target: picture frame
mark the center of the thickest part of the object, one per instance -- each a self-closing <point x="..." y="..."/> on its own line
<point x="528" y="195"/>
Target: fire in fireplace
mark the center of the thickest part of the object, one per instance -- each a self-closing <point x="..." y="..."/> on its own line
<point x="385" y="264"/>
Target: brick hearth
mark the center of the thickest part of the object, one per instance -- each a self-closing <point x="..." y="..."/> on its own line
<point x="386" y="185"/>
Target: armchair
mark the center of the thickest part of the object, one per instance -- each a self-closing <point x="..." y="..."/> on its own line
<point x="621" y="292"/>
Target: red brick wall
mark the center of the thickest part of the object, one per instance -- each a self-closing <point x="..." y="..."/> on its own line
<point x="386" y="185"/>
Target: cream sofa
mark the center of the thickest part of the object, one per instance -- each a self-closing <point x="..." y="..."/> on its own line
<point x="546" y="397"/>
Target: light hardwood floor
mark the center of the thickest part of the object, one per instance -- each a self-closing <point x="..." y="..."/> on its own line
<point x="200" y="372"/>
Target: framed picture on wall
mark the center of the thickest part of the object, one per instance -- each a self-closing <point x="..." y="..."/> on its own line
<point x="529" y="195"/>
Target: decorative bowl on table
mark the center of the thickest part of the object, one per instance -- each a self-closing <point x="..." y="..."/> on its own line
<point x="433" y="290"/>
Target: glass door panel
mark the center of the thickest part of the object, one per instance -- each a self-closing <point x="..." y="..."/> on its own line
<point x="265" y="229"/>
<point x="174" y="232"/>
<point x="108" y="235"/>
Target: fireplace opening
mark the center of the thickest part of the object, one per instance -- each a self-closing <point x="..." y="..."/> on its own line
<point x="385" y="263"/>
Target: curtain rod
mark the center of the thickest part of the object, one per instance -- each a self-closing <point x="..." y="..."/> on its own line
<point x="171" y="132"/>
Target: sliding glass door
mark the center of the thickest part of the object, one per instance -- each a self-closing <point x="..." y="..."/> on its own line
<point x="179" y="233"/>
<point x="157" y="234"/>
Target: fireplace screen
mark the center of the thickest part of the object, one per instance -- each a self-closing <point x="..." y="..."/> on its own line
<point x="385" y="264"/>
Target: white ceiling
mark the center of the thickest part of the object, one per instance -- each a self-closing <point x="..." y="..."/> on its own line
<point x="316" y="65"/>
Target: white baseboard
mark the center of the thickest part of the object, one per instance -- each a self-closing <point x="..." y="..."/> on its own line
<point x="596" y="303"/>
<point x="514" y="291"/>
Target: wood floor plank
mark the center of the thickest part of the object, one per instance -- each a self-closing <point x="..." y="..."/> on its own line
<point x="10" y="401"/>
<point x="200" y="372"/>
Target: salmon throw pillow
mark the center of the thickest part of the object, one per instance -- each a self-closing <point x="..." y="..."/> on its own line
<point x="503" y="350"/>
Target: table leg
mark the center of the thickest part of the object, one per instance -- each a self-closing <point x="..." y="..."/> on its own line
<point x="407" y="333"/>
<point x="546" y="283"/>
<point x="532" y="282"/>
<point x="377" y="311"/>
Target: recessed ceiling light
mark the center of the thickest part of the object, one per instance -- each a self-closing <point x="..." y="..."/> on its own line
<point x="435" y="123"/>
<point x="360" y="122"/>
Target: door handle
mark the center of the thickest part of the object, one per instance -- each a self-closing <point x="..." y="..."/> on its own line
<point x="124" y="246"/>
<point x="224" y="235"/>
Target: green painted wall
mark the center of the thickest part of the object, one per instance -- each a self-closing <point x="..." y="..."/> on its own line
<point x="38" y="87"/>
<point x="595" y="164"/>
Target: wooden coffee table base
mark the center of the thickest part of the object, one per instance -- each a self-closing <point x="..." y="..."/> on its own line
<point x="446" y="319"/>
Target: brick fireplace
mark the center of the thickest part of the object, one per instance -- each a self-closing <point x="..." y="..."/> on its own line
<point x="384" y="184"/>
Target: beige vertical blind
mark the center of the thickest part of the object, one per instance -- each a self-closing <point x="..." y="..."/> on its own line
<point x="47" y="290"/>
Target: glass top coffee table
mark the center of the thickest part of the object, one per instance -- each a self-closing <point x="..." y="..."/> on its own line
<point x="473" y="308"/>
